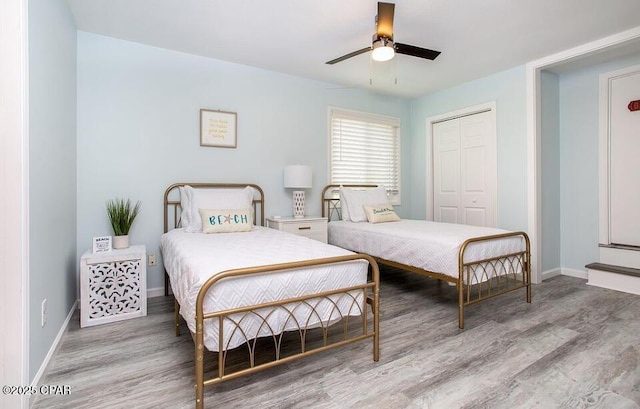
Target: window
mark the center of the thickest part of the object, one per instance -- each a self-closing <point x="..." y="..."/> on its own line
<point x="365" y="149"/>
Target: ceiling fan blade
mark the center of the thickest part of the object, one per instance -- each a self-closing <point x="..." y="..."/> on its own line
<point x="416" y="51"/>
<point x="347" y="56"/>
<point x="384" y="19"/>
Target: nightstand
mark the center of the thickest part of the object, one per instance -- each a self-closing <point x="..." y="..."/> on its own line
<point x="113" y="285"/>
<point x="311" y="227"/>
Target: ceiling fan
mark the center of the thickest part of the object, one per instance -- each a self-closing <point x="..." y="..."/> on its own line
<point x="383" y="47"/>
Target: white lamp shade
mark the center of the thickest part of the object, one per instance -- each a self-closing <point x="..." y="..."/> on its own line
<point x="384" y="53"/>
<point x="298" y="177"/>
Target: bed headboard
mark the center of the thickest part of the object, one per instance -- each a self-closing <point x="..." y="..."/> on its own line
<point x="331" y="206"/>
<point x="173" y="210"/>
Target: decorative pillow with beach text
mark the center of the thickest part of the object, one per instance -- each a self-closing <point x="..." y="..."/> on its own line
<point x="214" y="198"/>
<point x="226" y="220"/>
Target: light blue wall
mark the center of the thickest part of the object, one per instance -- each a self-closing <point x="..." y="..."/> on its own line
<point x="138" y="131"/>
<point x="579" y="162"/>
<point x="550" y="172"/>
<point x="507" y="88"/>
<point x="52" y="172"/>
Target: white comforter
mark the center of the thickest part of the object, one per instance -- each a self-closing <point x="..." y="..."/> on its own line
<point x="191" y="258"/>
<point x="423" y="244"/>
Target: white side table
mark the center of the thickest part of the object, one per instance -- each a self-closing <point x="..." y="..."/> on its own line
<point x="113" y="285"/>
<point x="311" y="227"/>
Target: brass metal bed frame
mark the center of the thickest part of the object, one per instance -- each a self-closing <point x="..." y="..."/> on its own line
<point x="515" y="267"/>
<point x="308" y="342"/>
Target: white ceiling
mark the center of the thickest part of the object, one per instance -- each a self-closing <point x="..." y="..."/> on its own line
<point x="297" y="37"/>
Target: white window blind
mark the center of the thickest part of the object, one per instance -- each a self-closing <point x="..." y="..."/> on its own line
<point x="365" y="149"/>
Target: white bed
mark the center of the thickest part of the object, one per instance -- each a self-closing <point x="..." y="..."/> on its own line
<point x="481" y="262"/>
<point x="235" y="283"/>
<point x="192" y="258"/>
<point x="423" y="244"/>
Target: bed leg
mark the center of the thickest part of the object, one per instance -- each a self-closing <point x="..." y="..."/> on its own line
<point x="526" y="275"/>
<point x="199" y="382"/>
<point x="460" y="305"/>
<point x="376" y="328"/>
<point x="376" y="311"/>
<point x="176" y="315"/>
<point x="199" y="341"/>
<point x="166" y="284"/>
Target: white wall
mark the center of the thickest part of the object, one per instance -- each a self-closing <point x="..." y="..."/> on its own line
<point x="507" y="88"/>
<point x="578" y="95"/>
<point x="138" y="131"/>
<point x="52" y="172"/>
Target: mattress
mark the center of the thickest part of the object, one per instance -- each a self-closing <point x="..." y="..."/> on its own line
<point x="191" y="258"/>
<point x="423" y="244"/>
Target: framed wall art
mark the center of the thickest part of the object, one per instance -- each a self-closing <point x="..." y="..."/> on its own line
<point x="101" y="244"/>
<point x="218" y="128"/>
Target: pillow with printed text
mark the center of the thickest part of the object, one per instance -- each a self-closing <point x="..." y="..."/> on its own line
<point x="226" y="220"/>
<point x="381" y="213"/>
<point x="214" y="198"/>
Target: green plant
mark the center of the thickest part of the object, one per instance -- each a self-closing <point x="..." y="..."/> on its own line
<point x="122" y="215"/>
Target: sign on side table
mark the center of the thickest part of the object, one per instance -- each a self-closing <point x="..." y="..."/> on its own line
<point x="101" y="244"/>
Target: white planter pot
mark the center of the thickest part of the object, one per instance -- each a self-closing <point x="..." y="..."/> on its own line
<point x="120" y="242"/>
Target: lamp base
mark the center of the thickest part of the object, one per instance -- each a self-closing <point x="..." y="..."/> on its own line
<point x="298" y="204"/>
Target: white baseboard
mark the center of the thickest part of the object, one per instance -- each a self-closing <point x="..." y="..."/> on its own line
<point x="551" y="273"/>
<point x="574" y="273"/>
<point x="565" y="272"/>
<point x="53" y="349"/>
<point x="155" y="292"/>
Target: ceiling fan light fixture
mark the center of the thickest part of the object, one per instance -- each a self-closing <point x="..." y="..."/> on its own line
<point x="382" y="46"/>
<point x="382" y="49"/>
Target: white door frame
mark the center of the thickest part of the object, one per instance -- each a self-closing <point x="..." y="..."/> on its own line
<point x="476" y="109"/>
<point x="14" y="208"/>
<point x="534" y="118"/>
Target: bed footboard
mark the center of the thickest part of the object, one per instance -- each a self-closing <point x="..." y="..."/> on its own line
<point x="483" y="279"/>
<point x="311" y="340"/>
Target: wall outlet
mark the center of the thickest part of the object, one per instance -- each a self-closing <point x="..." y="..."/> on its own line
<point x="153" y="261"/>
<point x="43" y="313"/>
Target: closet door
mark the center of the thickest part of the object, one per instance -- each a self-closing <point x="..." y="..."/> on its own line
<point x="446" y="172"/>
<point x="464" y="178"/>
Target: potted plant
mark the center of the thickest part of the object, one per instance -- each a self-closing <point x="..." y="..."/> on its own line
<point x="121" y="215"/>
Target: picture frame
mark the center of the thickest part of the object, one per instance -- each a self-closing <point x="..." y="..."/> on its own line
<point x="218" y="128"/>
<point x="101" y="244"/>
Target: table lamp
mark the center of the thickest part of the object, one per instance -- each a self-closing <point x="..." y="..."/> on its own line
<point x="297" y="177"/>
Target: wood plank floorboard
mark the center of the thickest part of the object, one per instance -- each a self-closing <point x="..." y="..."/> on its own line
<point x="575" y="346"/>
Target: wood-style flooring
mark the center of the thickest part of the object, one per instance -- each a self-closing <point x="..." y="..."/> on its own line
<point x="575" y="346"/>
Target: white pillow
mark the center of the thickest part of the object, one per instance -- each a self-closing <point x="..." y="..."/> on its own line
<point x="381" y="213"/>
<point x="343" y="205"/>
<point x="226" y="220"/>
<point x="356" y="199"/>
<point x="216" y="199"/>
